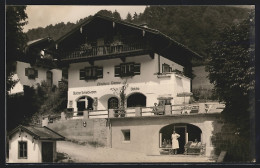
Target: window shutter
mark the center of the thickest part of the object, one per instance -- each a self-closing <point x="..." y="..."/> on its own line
<point x="137" y="69"/>
<point x="36" y="73"/>
<point x="26" y="71"/>
<point x="82" y="74"/>
<point x="117" y="71"/>
<point x="132" y="69"/>
<point x="99" y="72"/>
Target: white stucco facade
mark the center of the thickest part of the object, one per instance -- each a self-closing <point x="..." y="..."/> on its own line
<point x="148" y="83"/>
<point x="34" y="148"/>
<point x="24" y="80"/>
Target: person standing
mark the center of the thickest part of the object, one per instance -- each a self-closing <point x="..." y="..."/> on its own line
<point x="175" y="142"/>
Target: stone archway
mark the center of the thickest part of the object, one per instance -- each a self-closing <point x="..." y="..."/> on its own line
<point x="84" y="103"/>
<point x="136" y="100"/>
<point x="187" y="132"/>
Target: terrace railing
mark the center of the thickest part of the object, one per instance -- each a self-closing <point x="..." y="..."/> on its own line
<point x="188" y="109"/>
<point x="103" y="50"/>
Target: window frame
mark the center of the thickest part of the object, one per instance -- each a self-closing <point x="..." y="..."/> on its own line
<point x="19" y="150"/>
<point x="31" y="73"/>
<point x="127" y="69"/>
<point x="95" y="72"/>
<point x="124" y="131"/>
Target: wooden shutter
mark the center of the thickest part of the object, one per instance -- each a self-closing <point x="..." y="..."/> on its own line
<point x="82" y="74"/>
<point x="35" y="73"/>
<point x="99" y="72"/>
<point x="131" y="72"/>
<point x="26" y="71"/>
<point x="117" y="71"/>
<point x="137" y="69"/>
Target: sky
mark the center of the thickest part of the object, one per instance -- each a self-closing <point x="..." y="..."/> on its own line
<point x="44" y="15"/>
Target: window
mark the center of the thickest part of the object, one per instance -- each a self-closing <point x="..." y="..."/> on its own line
<point x="49" y="78"/>
<point x="166" y="68"/>
<point x="127" y="69"/>
<point x="126" y="135"/>
<point x="91" y="73"/>
<point x="31" y="73"/>
<point x="22" y="147"/>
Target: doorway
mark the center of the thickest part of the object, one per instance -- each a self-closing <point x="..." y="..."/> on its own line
<point x="181" y="130"/>
<point x="85" y="103"/>
<point x="47" y="151"/>
<point x="113" y="103"/>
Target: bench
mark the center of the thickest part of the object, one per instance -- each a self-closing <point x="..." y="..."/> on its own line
<point x="194" y="148"/>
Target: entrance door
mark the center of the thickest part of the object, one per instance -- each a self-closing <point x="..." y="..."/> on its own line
<point x="182" y="132"/>
<point x="47" y="151"/>
<point x="113" y="103"/>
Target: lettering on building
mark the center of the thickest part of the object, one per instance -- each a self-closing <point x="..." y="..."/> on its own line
<point x="84" y="92"/>
<point x="135" y="88"/>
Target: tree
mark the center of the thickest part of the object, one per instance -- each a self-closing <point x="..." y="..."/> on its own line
<point x="105" y="13"/>
<point x="15" y="39"/>
<point x="116" y="15"/>
<point x="129" y="17"/>
<point x="232" y="71"/>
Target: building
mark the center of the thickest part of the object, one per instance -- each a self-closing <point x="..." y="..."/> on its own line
<point x="31" y="144"/>
<point x="38" y="65"/>
<point x="114" y="64"/>
<point x="103" y="53"/>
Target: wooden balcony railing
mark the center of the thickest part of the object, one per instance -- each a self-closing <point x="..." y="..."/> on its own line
<point x="103" y="50"/>
<point x="189" y="109"/>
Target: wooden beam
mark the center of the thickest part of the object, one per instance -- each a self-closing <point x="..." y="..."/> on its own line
<point x="152" y="55"/>
<point x="91" y="62"/>
<point x="122" y="59"/>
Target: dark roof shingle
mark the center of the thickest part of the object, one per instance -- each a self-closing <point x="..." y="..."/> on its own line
<point x="42" y="133"/>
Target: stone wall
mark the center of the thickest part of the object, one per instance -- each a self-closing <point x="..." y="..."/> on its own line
<point x="94" y="133"/>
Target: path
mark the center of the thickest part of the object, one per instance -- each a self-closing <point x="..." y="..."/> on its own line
<point x="87" y="154"/>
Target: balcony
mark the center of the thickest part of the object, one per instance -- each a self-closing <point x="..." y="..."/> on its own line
<point x="113" y="50"/>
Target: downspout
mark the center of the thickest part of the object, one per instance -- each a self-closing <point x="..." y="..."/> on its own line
<point x="159" y="64"/>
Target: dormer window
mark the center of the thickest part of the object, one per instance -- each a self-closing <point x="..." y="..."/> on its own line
<point x="31" y="73"/>
<point x="90" y="73"/>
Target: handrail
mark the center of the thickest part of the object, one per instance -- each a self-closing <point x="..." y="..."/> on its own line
<point x="103" y="50"/>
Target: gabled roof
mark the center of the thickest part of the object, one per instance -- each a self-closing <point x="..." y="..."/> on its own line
<point x="150" y="30"/>
<point x="39" y="41"/>
<point x="41" y="133"/>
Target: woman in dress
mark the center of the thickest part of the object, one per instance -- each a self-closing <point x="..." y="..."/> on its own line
<point x="175" y="142"/>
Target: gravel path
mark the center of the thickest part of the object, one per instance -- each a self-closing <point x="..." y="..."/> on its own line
<point x="88" y="154"/>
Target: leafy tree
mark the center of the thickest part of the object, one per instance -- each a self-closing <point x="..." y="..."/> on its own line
<point x="15" y="39"/>
<point x="232" y="71"/>
<point x="105" y="13"/>
<point x="116" y="15"/>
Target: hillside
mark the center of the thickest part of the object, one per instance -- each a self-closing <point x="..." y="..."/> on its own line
<point x="194" y="26"/>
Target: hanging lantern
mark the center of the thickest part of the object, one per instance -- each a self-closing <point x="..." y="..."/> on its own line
<point x="143" y="33"/>
<point x="56" y="46"/>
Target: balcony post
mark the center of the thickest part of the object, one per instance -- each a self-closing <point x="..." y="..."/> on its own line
<point x="138" y="111"/>
<point x="111" y="113"/>
<point x="85" y="114"/>
<point x="202" y="108"/>
<point x="168" y="110"/>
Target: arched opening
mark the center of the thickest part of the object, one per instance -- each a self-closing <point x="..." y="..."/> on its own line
<point x="84" y="103"/>
<point x="112" y="103"/>
<point x="136" y="100"/>
<point x="187" y="132"/>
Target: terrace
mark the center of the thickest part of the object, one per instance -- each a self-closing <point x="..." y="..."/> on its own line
<point x="158" y="111"/>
